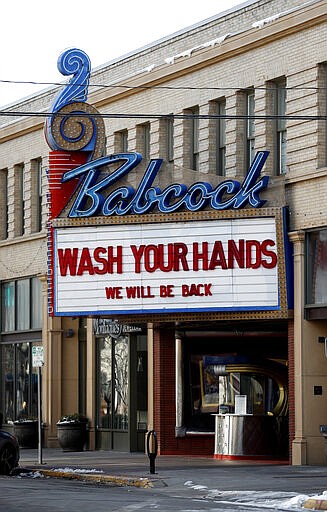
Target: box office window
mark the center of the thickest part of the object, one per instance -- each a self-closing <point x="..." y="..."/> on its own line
<point x="316" y="265"/>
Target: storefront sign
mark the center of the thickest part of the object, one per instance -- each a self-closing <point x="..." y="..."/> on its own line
<point x="124" y="200"/>
<point x="215" y="265"/>
<point x="113" y="328"/>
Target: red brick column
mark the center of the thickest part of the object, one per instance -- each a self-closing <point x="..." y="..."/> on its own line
<point x="164" y="388"/>
<point x="164" y="413"/>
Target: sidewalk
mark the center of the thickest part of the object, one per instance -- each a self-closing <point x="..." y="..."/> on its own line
<point x="174" y="471"/>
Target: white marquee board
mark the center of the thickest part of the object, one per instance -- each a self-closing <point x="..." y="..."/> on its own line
<point x="136" y="274"/>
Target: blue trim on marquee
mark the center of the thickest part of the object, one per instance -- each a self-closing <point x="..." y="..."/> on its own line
<point x="166" y="310"/>
<point x="289" y="263"/>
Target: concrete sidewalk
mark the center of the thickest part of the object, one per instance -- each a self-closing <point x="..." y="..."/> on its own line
<point x="174" y="471"/>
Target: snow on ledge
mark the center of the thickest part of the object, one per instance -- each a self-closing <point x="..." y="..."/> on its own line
<point x="265" y="21"/>
<point x="188" y="53"/>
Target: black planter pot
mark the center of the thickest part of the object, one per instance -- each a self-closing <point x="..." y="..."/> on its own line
<point x="26" y="433"/>
<point x="72" y="437"/>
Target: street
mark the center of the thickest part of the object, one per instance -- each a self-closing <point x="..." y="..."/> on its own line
<point x="28" y="494"/>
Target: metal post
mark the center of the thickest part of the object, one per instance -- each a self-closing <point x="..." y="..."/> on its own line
<point x="39" y="414"/>
<point x="152" y="449"/>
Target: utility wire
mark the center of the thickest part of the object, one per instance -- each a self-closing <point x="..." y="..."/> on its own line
<point x="7" y="113"/>
<point x="168" y="87"/>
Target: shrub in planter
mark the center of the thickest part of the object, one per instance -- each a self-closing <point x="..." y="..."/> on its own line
<point x="26" y="432"/>
<point x="72" y="432"/>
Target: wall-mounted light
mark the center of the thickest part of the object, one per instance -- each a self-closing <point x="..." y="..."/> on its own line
<point x="69" y="333"/>
<point x="322" y="339"/>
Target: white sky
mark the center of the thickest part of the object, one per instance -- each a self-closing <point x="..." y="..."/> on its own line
<point x="34" y="33"/>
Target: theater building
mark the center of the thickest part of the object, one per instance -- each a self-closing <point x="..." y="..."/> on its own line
<point x="164" y="240"/>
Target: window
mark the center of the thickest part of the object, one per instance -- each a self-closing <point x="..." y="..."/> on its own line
<point x="21" y="305"/>
<point x="316" y="265"/>
<point x="19" y="199"/>
<point x="145" y="137"/>
<point x="250" y="128"/>
<point x="4" y="229"/>
<point x="170" y="139"/>
<point x="194" y="139"/>
<point x="281" y="127"/>
<point x="121" y="141"/>
<point x="221" y="138"/>
<point x="18" y="381"/>
<point x="113" y="383"/>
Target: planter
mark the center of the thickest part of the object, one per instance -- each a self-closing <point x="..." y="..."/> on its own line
<point x="72" y="436"/>
<point x="26" y="433"/>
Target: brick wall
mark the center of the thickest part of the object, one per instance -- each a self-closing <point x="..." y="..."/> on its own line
<point x="164" y="402"/>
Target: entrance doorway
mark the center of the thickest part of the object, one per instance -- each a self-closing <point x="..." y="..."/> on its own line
<point x="121" y="392"/>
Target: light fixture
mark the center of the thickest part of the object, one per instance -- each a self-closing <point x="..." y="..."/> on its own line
<point x="69" y="333"/>
<point x="322" y="339"/>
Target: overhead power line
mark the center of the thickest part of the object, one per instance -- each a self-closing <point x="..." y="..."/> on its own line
<point x="7" y="113"/>
<point x="167" y="87"/>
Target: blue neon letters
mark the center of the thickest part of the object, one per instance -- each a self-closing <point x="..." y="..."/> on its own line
<point x="126" y="200"/>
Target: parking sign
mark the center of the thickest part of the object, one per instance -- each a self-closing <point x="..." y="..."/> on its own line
<point x="37" y="356"/>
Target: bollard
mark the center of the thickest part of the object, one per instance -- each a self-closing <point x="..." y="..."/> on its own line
<point x="152" y="449"/>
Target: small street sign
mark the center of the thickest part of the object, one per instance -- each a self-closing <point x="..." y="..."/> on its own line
<point x="37" y="356"/>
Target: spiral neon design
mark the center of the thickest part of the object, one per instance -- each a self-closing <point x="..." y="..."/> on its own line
<point x="72" y="130"/>
<point x="75" y="125"/>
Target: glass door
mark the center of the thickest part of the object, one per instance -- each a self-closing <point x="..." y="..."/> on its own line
<point x="112" y="393"/>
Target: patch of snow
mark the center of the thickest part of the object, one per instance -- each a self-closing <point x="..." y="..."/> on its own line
<point x="189" y="51"/>
<point x="148" y="69"/>
<point x="30" y="474"/>
<point x="78" y="470"/>
<point x="265" y="21"/>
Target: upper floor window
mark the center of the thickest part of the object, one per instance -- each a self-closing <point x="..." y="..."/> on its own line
<point x="170" y="139"/>
<point x="194" y="138"/>
<point x="250" y="128"/>
<point x="36" y="196"/>
<point x="143" y="140"/>
<point x="121" y="141"/>
<point x="4" y="226"/>
<point x="280" y="110"/>
<point x="221" y="138"/>
<point x="19" y="192"/>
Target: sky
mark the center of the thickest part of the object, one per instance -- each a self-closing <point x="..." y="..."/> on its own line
<point x="33" y="34"/>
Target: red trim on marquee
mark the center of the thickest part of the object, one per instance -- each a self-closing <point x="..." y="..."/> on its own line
<point x="59" y="195"/>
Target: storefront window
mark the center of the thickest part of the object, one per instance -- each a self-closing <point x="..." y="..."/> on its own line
<point x="8" y="306"/>
<point x="8" y="373"/>
<point x="19" y="382"/>
<point x="113" y="383"/>
<point x="317" y="267"/>
<point x="36" y="309"/>
<point x="23" y="304"/>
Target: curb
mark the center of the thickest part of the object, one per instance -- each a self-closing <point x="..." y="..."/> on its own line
<point x="97" y="478"/>
<point x="314" y="504"/>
